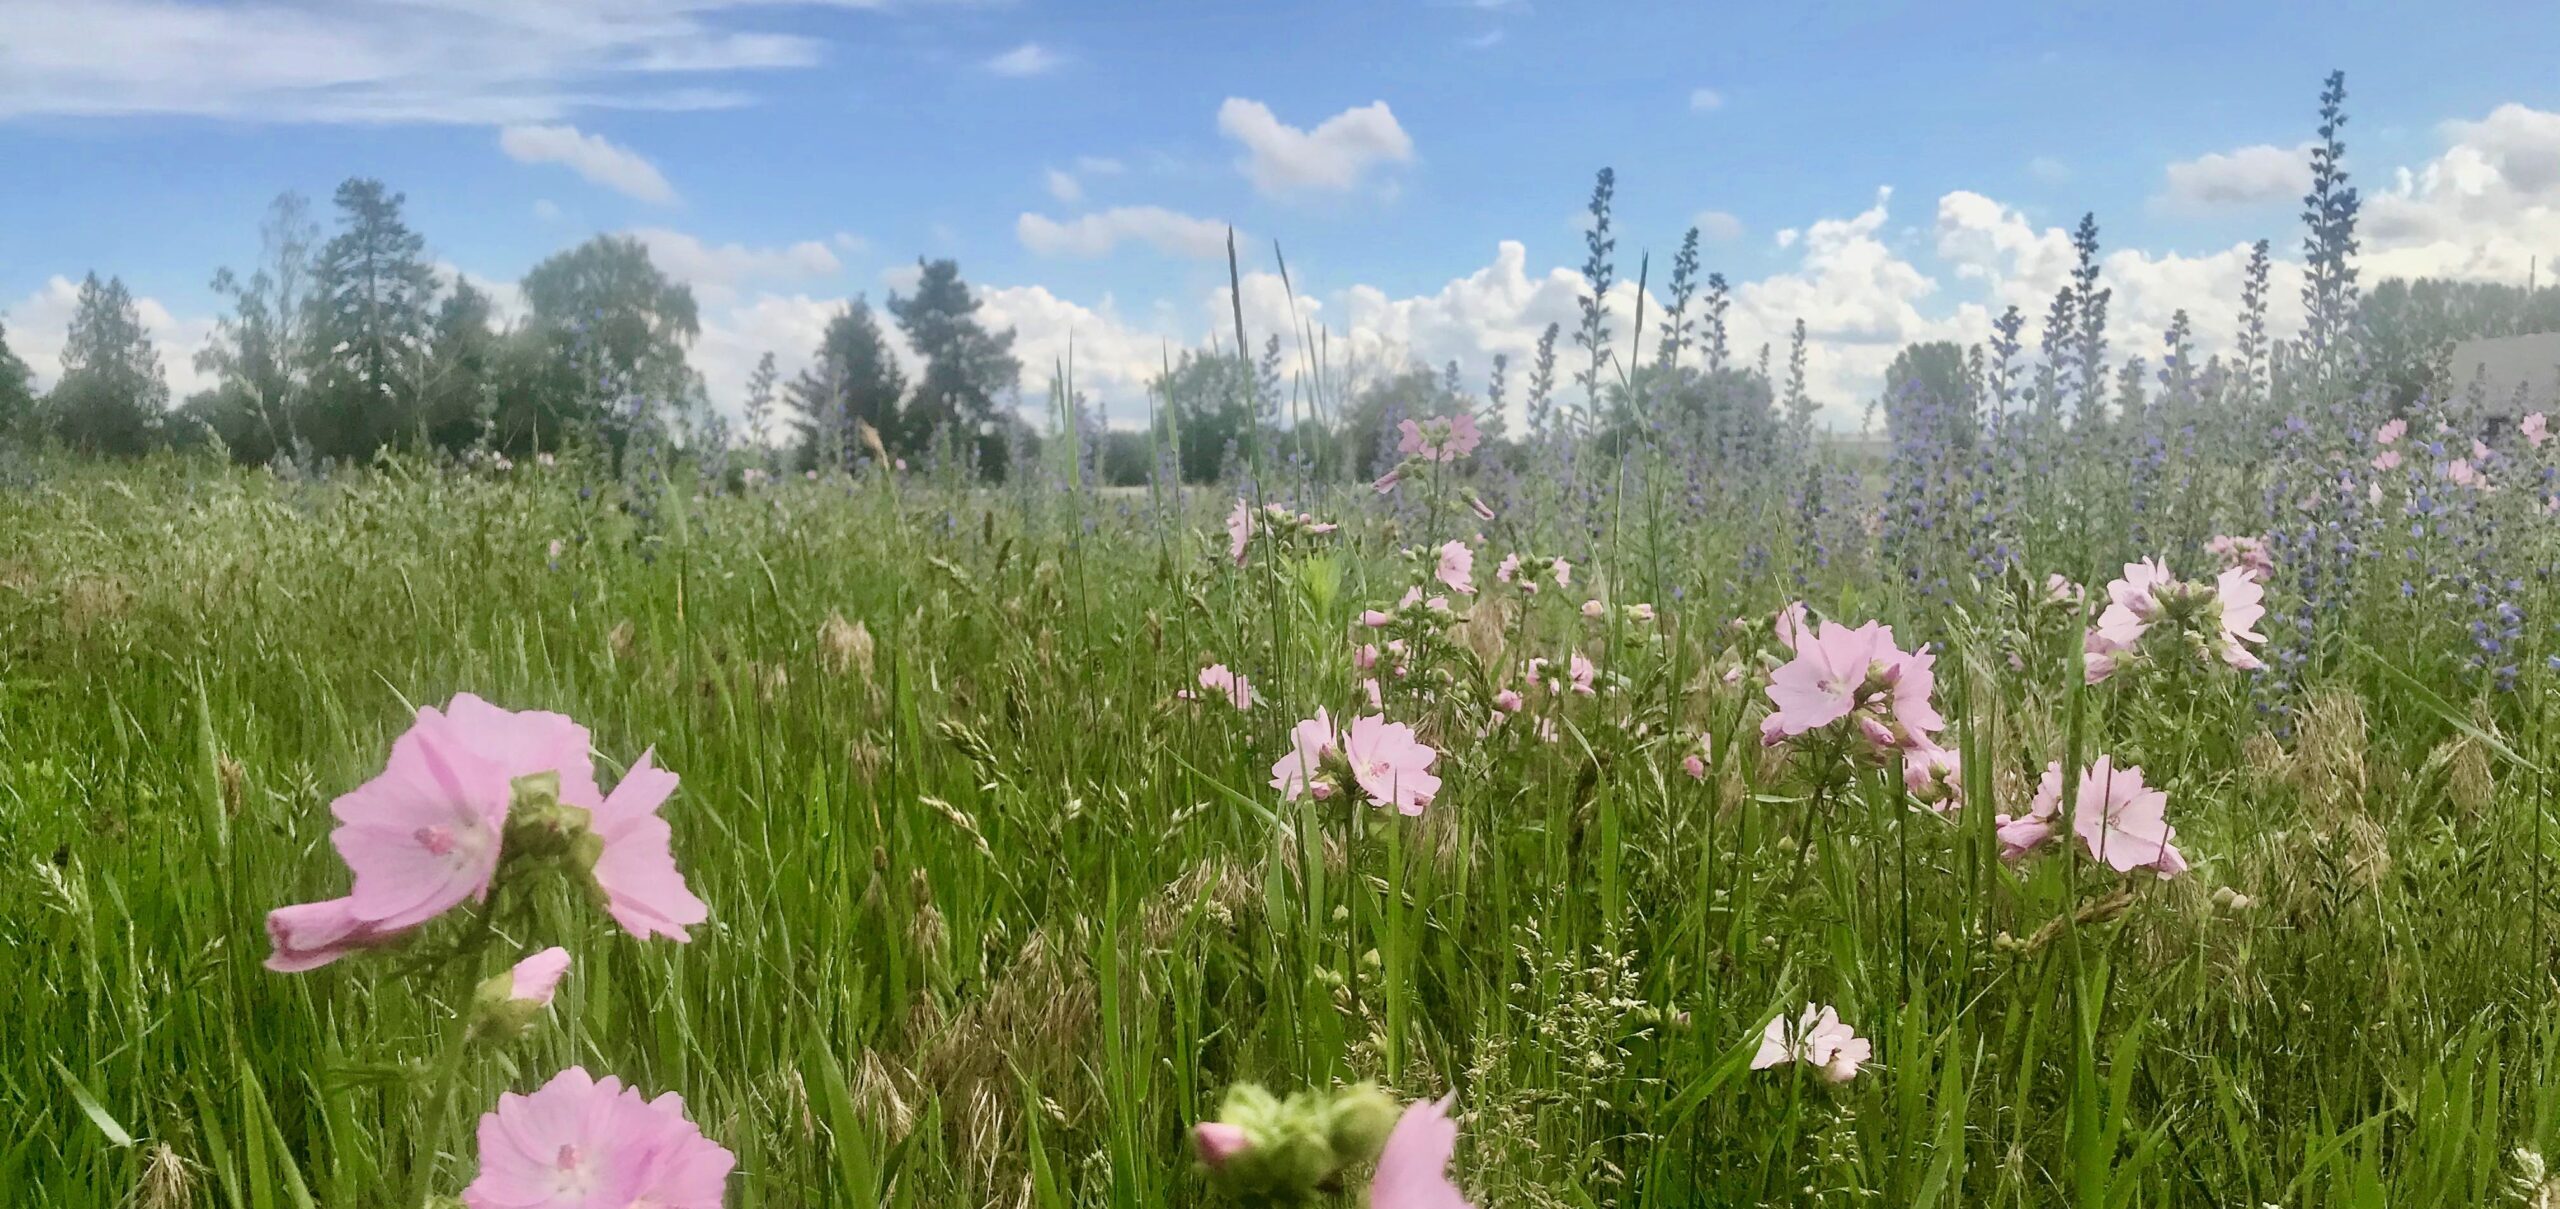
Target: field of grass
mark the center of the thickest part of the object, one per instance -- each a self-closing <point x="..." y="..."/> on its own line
<point x="996" y="916"/>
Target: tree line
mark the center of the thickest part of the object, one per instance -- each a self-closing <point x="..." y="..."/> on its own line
<point x="346" y="343"/>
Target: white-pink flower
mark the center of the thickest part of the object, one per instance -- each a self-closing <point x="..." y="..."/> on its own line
<point x="1391" y="765"/>
<point x="1817" y="1039"/>
<point x="1457" y="568"/>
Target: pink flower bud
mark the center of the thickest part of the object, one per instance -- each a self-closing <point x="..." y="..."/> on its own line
<point x="1217" y="1142"/>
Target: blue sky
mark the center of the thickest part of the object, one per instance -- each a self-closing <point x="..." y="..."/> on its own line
<point x="1081" y="161"/>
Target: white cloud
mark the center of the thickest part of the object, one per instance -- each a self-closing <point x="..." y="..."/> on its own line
<point x="38" y="323"/>
<point x="716" y="271"/>
<point x="465" y="61"/>
<point x="850" y="243"/>
<point x="2244" y="176"/>
<point x="1092" y="235"/>
<point x="546" y="210"/>
<point x="1064" y="186"/>
<point x="1099" y="165"/>
<point x="2484" y="210"/>
<point x="1028" y="59"/>
<point x="1717" y="226"/>
<point x="2047" y="170"/>
<point x="1484" y="41"/>
<point x="591" y="156"/>
<point x="1280" y="158"/>
<point x="1705" y="100"/>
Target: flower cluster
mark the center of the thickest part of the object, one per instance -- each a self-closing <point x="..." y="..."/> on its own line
<point x="2123" y="821"/>
<point x="1274" y="522"/>
<point x="1527" y="572"/>
<point x="1819" y="1040"/>
<point x="2214" y="620"/>
<point x="1435" y="439"/>
<point x="1857" y="679"/>
<point x="467" y="787"/>
<point x="1263" y="1150"/>
<point x="1217" y="683"/>
<point x="1382" y="759"/>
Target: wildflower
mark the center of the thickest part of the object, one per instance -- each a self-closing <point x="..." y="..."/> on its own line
<point x="1457" y="568"/>
<point x="1478" y="506"/>
<point x="2391" y="432"/>
<point x="1839" y="671"/>
<point x="1640" y="613"/>
<point x="2060" y="592"/>
<point x="1934" y="775"/>
<point x="1439" y="439"/>
<point x="1311" y="743"/>
<point x="1386" y="483"/>
<point x="1217" y="681"/>
<point x="1510" y="566"/>
<point x="1376" y="619"/>
<point x="2241" y="596"/>
<point x="2247" y="553"/>
<point x="2461" y="473"/>
<point x="2536" y="429"/>
<point x="1695" y="765"/>
<point x="1366" y="657"/>
<point x="421" y="837"/>
<point x="2122" y="821"/>
<point x="1390" y="764"/>
<point x="634" y="860"/>
<point x="2388" y="460"/>
<point x="1594" y="610"/>
<point x="1817" y="1039"/>
<point x="1239" y="530"/>
<point x="1413" y="1169"/>
<point x="307" y="936"/>
<point x="1218" y="1143"/>
<point x="1579" y="670"/>
<point x="507" y="1005"/>
<point x="580" y="1141"/>
<point x="1793" y="625"/>
<point x="1508" y="701"/>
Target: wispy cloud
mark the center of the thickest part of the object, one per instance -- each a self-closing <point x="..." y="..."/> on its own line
<point x="1705" y="100"/>
<point x="466" y="61"/>
<point x="1028" y="59"/>
<point x="591" y="156"/>
<point x="1092" y="235"/>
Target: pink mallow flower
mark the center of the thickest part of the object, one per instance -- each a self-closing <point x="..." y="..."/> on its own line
<point x="1838" y="672"/>
<point x="1934" y="776"/>
<point x="534" y="979"/>
<point x="1217" y="1143"/>
<point x="2122" y="821"/>
<point x="1817" y="1039"/>
<point x="2536" y="429"/>
<point x="1439" y="439"/>
<point x="1302" y="771"/>
<point x="1581" y="672"/>
<point x="636" y="867"/>
<point x="1457" y="568"/>
<point x="1219" y="683"/>
<point x="2242" y="594"/>
<point x="584" y="1143"/>
<point x="2391" y="432"/>
<point x="1391" y="765"/>
<point x="1239" y="530"/>
<point x="2247" y="553"/>
<point x="1413" y="1169"/>
<point x="1508" y="701"/>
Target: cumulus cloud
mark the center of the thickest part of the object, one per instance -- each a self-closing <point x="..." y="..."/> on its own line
<point x="2483" y="210"/>
<point x="1092" y="235"/>
<point x="591" y="156"/>
<point x="1064" y="186"/>
<point x="1333" y="157"/>
<point x="2244" y="176"/>
<point x="715" y="271"/>
<point x="1028" y="59"/>
<point x="1717" y="226"/>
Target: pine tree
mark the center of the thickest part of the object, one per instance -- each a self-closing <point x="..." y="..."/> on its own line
<point x="853" y="379"/>
<point x="457" y="391"/>
<point x="368" y="335"/>
<point x="967" y="368"/>
<point x="112" y="394"/>
<point x="17" y="390"/>
<point x="762" y="391"/>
